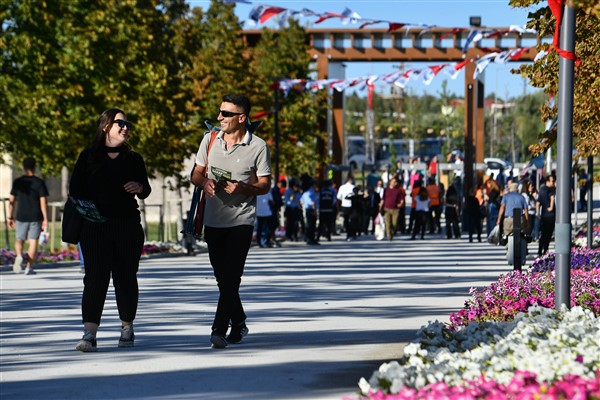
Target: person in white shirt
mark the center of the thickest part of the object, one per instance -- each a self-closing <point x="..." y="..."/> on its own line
<point x="344" y="194"/>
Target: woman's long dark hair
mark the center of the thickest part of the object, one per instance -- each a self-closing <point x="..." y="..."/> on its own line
<point x="103" y="125"/>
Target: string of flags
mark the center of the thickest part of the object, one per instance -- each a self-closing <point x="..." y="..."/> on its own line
<point x="400" y="79"/>
<point x="261" y="13"/>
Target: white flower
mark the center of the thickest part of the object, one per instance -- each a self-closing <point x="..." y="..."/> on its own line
<point x="544" y="341"/>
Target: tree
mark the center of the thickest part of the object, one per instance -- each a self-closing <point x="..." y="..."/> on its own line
<point x="544" y="74"/>
<point x="63" y="63"/>
<point x="284" y="54"/>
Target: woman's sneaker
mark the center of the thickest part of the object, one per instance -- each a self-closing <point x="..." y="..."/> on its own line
<point x="127" y="336"/>
<point x="87" y="344"/>
<point x="237" y="333"/>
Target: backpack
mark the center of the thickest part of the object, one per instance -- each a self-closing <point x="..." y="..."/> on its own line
<point x="326" y="199"/>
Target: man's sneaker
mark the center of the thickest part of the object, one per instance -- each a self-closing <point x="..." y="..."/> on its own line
<point x="218" y="341"/>
<point x="30" y="271"/>
<point x="127" y="336"/>
<point x="17" y="265"/>
<point x="87" y="344"/>
<point x="237" y="333"/>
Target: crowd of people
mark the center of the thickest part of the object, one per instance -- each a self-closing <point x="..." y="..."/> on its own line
<point x="408" y="201"/>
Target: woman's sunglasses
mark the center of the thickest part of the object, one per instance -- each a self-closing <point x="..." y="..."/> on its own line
<point x="228" y="114"/>
<point x="123" y="124"/>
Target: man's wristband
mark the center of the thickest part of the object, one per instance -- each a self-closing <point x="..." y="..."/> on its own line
<point x="11" y="219"/>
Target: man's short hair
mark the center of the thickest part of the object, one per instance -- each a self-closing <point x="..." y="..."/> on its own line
<point x="239" y="100"/>
<point x="547" y="179"/>
<point x="29" y="164"/>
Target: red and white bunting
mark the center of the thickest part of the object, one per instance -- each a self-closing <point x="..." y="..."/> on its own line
<point x="426" y="75"/>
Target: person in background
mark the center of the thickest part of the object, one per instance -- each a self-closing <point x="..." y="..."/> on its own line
<point x="327" y="199"/>
<point x="526" y="192"/>
<point x="546" y="209"/>
<point x="344" y="194"/>
<point x="111" y="175"/>
<point x="379" y="188"/>
<point x="582" y="183"/>
<point x="243" y="158"/>
<point x="274" y="221"/>
<point x="492" y="193"/>
<point x="372" y="202"/>
<point x="356" y="212"/>
<point x="310" y="206"/>
<point x="293" y="210"/>
<point x="389" y="205"/>
<point x="535" y="232"/>
<point x="401" y="226"/>
<point x="386" y="176"/>
<point x="473" y="215"/>
<point x="413" y="213"/>
<point x="264" y="216"/>
<point x="511" y="201"/>
<point x="81" y="260"/>
<point x="29" y="216"/>
<point x="372" y="178"/>
<point x="421" y="210"/>
<point x="452" y="213"/>
<point x="435" y="206"/>
<point x="433" y="167"/>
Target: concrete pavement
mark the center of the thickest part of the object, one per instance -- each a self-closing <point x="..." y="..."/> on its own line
<point x="320" y="318"/>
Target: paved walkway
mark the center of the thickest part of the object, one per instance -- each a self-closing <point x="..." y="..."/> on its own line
<point x="320" y="318"/>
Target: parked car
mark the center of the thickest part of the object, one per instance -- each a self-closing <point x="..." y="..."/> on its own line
<point x="356" y="161"/>
<point x="497" y="165"/>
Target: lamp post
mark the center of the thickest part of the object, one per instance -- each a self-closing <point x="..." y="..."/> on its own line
<point x="276" y="122"/>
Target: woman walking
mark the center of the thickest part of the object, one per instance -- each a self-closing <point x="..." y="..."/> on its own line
<point x="110" y="175"/>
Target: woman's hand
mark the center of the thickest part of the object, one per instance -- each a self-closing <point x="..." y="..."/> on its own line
<point x="133" y="187"/>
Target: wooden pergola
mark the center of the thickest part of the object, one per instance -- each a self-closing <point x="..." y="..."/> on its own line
<point x="442" y="45"/>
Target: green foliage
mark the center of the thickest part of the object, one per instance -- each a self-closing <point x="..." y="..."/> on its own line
<point x="64" y="62"/>
<point x="544" y="74"/>
<point x="284" y="54"/>
<point x="165" y="65"/>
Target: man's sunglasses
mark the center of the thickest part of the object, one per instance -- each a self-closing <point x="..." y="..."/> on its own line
<point x="228" y="114"/>
<point x="123" y="124"/>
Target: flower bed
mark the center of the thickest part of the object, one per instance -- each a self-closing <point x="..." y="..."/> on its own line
<point x="507" y="343"/>
<point x="7" y="257"/>
<point x="581" y="258"/>
<point x="538" y="352"/>
<point x="580" y="238"/>
<point x="516" y="292"/>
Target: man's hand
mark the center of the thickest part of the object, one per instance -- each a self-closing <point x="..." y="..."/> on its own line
<point x="228" y="186"/>
<point x="209" y="187"/>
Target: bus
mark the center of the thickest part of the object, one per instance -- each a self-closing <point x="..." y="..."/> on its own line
<point x="406" y="149"/>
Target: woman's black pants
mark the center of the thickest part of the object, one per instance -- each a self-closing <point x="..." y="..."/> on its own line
<point x="111" y="248"/>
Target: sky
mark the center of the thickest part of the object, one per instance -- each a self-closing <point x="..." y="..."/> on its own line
<point x="442" y="13"/>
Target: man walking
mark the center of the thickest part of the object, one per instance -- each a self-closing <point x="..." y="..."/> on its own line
<point x="30" y="194"/>
<point x="511" y="201"/>
<point x="326" y="207"/>
<point x="235" y="171"/>
<point x="344" y="195"/>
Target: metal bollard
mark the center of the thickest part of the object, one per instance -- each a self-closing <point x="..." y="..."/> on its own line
<point x="517" y="239"/>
